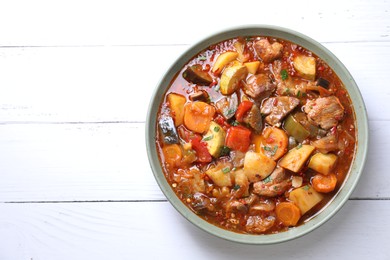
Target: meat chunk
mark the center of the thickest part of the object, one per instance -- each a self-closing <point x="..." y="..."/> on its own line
<point x="259" y="86"/>
<point x="236" y="206"/>
<point x="267" y="51"/>
<point x="227" y="106"/>
<point x="259" y="224"/>
<point x="290" y="86"/>
<point x="325" y="112"/>
<point x="254" y="119"/>
<point x="202" y="204"/>
<point x="326" y="144"/>
<point x="276" y="108"/>
<point x="275" y="184"/>
<point x="264" y="206"/>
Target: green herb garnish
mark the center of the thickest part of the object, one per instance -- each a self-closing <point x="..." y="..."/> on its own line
<point x="298" y="94"/>
<point x="224" y="151"/>
<point x="272" y="151"/>
<point x="268" y="179"/>
<point x="235" y="123"/>
<point x="216" y="129"/>
<point x="226" y="170"/>
<point x="230" y="112"/>
<point x="202" y="58"/>
<point x="284" y="74"/>
<point x="299" y="146"/>
<point x="208" y="138"/>
<point x="306" y="187"/>
<point x="236" y="187"/>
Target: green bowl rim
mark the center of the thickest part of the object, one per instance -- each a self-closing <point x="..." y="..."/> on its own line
<point x="360" y="113"/>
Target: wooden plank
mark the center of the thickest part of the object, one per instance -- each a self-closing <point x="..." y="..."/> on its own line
<point x="157" y="231"/>
<point x="115" y="83"/>
<point x="119" y="23"/>
<point x="73" y="162"/>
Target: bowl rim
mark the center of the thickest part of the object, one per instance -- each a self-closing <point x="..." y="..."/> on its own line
<point x="355" y="171"/>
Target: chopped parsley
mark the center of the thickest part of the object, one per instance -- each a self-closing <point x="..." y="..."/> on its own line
<point x="298" y="94"/>
<point x="299" y="146"/>
<point x="306" y="187"/>
<point x="268" y="179"/>
<point x="235" y="123"/>
<point x="224" y="151"/>
<point x="226" y="170"/>
<point x="271" y="150"/>
<point x="202" y="58"/>
<point x="208" y="138"/>
<point x="284" y="74"/>
<point x="230" y="112"/>
<point x="287" y="91"/>
<point x="236" y="187"/>
<point x="216" y="129"/>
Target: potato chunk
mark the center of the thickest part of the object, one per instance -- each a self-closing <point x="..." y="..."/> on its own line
<point x="223" y="60"/>
<point x="296" y="157"/>
<point x="257" y="166"/>
<point x="220" y="174"/>
<point x="176" y="103"/>
<point x="323" y="163"/>
<point x="305" y="66"/>
<point x="305" y="198"/>
<point x="241" y="183"/>
<point x="231" y="77"/>
<point x="252" y="66"/>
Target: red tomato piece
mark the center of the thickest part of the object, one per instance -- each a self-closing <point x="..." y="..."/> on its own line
<point x="201" y="149"/>
<point x="244" y="107"/>
<point x="238" y="138"/>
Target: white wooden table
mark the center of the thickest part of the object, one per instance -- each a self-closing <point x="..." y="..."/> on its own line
<point x="75" y="82"/>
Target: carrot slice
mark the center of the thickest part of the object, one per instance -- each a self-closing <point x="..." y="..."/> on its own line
<point x="198" y="115"/>
<point x="172" y="154"/>
<point x="324" y="183"/>
<point x="274" y="142"/>
<point x="288" y="213"/>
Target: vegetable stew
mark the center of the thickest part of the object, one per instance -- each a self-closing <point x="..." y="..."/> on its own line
<point x="256" y="135"/>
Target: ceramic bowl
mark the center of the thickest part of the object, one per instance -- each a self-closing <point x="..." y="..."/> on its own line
<point x="362" y="133"/>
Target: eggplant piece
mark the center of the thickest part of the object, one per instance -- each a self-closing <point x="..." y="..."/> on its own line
<point x="168" y="130"/>
<point x="323" y="83"/>
<point x="195" y="74"/>
<point x="227" y="106"/>
<point x="200" y="95"/>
